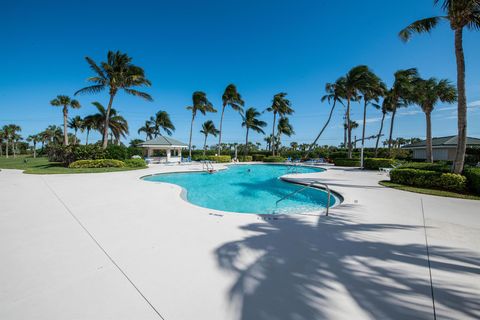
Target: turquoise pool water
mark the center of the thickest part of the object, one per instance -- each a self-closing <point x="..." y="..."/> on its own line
<point x="248" y="189"/>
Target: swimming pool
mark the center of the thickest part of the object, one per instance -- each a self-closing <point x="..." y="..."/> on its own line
<point x="248" y="189"/>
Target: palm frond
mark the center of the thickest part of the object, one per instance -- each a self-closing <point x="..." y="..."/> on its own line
<point x="419" y="26"/>
<point x="137" y="93"/>
<point x="91" y="89"/>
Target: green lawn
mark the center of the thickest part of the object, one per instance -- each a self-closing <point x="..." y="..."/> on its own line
<point x="41" y="165"/>
<point x="433" y="192"/>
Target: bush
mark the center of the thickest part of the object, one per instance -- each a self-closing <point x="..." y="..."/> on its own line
<point x="135" y="163"/>
<point x="347" y="162"/>
<point x="258" y="157"/>
<point x="437" y="166"/>
<point x="245" y="158"/>
<point x="116" y="152"/>
<point x="222" y="159"/>
<point x="338" y="155"/>
<point x="99" y="163"/>
<point x="199" y="157"/>
<point x="60" y="153"/>
<point x="429" y="179"/>
<point x="274" y="159"/>
<point x="473" y="179"/>
<point x="376" y="163"/>
<point x="89" y="152"/>
<point x="134" y="151"/>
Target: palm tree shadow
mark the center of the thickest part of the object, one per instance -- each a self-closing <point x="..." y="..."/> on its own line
<point x="301" y="265"/>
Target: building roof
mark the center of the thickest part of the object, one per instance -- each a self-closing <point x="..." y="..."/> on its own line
<point x="163" y="141"/>
<point x="448" y="141"/>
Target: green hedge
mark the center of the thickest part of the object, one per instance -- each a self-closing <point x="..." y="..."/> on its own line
<point x="116" y="152"/>
<point x="436" y="166"/>
<point x="222" y="159"/>
<point x="99" y="163"/>
<point x="376" y="163"/>
<point x="258" y="157"/>
<point x="429" y="179"/>
<point x="245" y="158"/>
<point x="135" y="163"/>
<point x="274" y="159"/>
<point x="473" y="179"/>
<point x="347" y="162"/>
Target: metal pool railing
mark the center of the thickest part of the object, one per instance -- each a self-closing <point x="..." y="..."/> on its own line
<point x="306" y="187"/>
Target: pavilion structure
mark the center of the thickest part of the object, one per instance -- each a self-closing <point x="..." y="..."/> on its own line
<point x="173" y="149"/>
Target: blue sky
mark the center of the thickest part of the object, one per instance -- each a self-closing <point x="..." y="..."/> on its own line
<point x="264" y="47"/>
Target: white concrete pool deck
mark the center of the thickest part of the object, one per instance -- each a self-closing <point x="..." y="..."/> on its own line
<point x="143" y="250"/>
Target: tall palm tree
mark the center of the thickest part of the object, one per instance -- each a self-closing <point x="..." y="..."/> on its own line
<point x="75" y="123"/>
<point x="460" y="14"/>
<point x="65" y="102"/>
<point x="2" y="138"/>
<point x="117" y="124"/>
<point x="268" y="140"/>
<point x="149" y="129"/>
<point x="427" y="94"/>
<point x="15" y="139"/>
<point x="284" y="127"/>
<point x="34" y="138"/>
<point x="334" y="94"/>
<point x="371" y="91"/>
<point x="201" y="104"/>
<point x="231" y="98"/>
<point x="117" y="73"/>
<point x="208" y="127"/>
<point x="386" y="107"/>
<point x="7" y="133"/>
<point x="162" y="121"/>
<point x="401" y="94"/>
<point x="351" y="83"/>
<point x="251" y="122"/>
<point x="281" y="106"/>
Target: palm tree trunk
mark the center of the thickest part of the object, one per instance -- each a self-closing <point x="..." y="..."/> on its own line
<point x="107" y="121"/>
<point x="246" y="146"/>
<point x="364" y="121"/>
<point x="6" y="148"/>
<point x="428" y="145"/>
<point x="205" y="145"/>
<point x="14" y="147"/>
<point x="88" y="132"/>
<point x="34" y="149"/>
<point x="190" y="140"/>
<point x="392" y="121"/>
<point x="323" y="129"/>
<point x="349" y="130"/>
<point x="273" y="132"/>
<point x="75" y="137"/>
<point x="462" y="103"/>
<point x="65" y="119"/>
<point x="379" y="134"/>
<point x="219" y="148"/>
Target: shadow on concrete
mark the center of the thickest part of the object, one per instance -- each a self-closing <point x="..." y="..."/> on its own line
<point x="302" y="265"/>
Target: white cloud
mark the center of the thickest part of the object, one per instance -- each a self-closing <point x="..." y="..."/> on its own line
<point x="474" y="104"/>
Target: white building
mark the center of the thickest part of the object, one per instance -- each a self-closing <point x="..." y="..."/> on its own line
<point x="171" y="147"/>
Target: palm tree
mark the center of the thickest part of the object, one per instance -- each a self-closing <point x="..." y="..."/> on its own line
<point x="75" y="123"/>
<point x="148" y="129"/>
<point x="294" y="145"/>
<point x="231" y="98"/>
<point x="268" y="140"/>
<point x="372" y="90"/>
<point x="65" y="102"/>
<point x="2" y="138"/>
<point x="54" y="134"/>
<point x="282" y="107"/>
<point x="401" y="93"/>
<point x="201" y="104"/>
<point x="88" y="124"/>
<point x="386" y="107"/>
<point x="117" y="125"/>
<point x="162" y="121"/>
<point x="427" y="94"/>
<point x="35" y="138"/>
<point x="7" y="134"/>
<point x="351" y="83"/>
<point x="335" y="93"/>
<point x="460" y="14"/>
<point x="118" y="73"/>
<point x="208" y="127"/>
<point x="284" y="127"/>
<point x="15" y="139"/>
<point x="251" y="122"/>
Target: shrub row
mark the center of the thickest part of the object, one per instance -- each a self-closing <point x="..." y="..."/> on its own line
<point x="437" y="166"/>
<point x="347" y="162"/>
<point x="71" y="153"/>
<point x="245" y="158"/>
<point x="135" y="163"/>
<point x="429" y="179"/>
<point x="376" y="163"/>
<point x="99" y="163"/>
<point x="258" y="157"/>
<point x="273" y="159"/>
<point x="473" y="179"/>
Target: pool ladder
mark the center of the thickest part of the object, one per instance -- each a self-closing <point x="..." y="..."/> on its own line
<point x="306" y="187"/>
<point x="207" y="166"/>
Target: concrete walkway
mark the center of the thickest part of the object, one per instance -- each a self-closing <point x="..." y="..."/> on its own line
<point x="111" y="246"/>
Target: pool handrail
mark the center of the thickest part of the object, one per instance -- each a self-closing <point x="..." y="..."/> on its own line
<point x="308" y="186"/>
